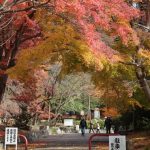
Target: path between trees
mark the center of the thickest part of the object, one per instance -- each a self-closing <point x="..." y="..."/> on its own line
<point x="77" y="142"/>
<point x="69" y="141"/>
<point x="138" y="141"/>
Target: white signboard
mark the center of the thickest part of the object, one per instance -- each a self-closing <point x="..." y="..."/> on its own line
<point x="97" y="114"/>
<point x="11" y="136"/>
<point x="68" y="122"/>
<point x="117" y="143"/>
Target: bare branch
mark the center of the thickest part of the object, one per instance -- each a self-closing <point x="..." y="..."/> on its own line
<point x="34" y="5"/>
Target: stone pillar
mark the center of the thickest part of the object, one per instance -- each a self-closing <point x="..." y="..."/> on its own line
<point x="97" y="113"/>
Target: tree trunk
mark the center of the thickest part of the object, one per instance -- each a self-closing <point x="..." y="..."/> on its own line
<point x="147" y="12"/>
<point x="143" y="82"/>
<point x="3" y="80"/>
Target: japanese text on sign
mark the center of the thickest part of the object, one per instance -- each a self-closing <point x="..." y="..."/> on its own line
<point x="11" y="136"/>
<point x="117" y="143"/>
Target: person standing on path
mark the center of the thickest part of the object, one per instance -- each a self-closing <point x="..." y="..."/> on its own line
<point x="91" y="127"/>
<point x="97" y="127"/>
<point x="83" y="126"/>
<point x="108" y="124"/>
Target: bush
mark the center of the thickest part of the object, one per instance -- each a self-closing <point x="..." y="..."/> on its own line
<point x="22" y="120"/>
<point x="53" y="130"/>
<point x="94" y="121"/>
<point x="138" y="119"/>
<point x="144" y="123"/>
<point x="77" y="122"/>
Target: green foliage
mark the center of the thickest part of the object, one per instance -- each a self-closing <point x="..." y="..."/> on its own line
<point x="136" y="55"/>
<point x="146" y="43"/>
<point x="94" y="121"/>
<point x="114" y="73"/>
<point x="81" y="104"/>
<point x="137" y="118"/>
<point x="77" y="122"/>
<point x="75" y="105"/>
<point x="53" y="130"/>
<point x="113" y="77"/>
<point x="140" y="97"/>
<point x="144" y="123"/>
<point x="100" y="121"/>
<point x="117" y="83"/>
<point x="129" y="49"/>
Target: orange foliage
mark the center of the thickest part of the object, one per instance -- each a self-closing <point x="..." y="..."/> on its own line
<point x="112" y="112"/>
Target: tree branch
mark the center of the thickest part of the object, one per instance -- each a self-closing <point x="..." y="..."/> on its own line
<point x="34" y="5"/>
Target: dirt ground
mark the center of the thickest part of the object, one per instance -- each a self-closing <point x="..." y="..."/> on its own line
<point x="136" y="141"/>
<point x="140" y="140"/>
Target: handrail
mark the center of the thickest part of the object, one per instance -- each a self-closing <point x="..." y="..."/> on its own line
<point x="25" y="139"/>
<point x="21" y="135"/>
<point x="97" y="134"/>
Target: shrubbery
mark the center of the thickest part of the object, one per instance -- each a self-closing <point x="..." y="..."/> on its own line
<point x="135" y="119"/>
<point x="94" y="121"/>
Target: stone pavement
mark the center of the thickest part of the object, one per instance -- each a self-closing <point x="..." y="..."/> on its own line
<point x="74" y="141"/>
<point x="64" y="148"/>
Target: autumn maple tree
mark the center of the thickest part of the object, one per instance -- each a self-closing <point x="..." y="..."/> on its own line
<point x="17" y="31"/>
<point x="93" y="19"/>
